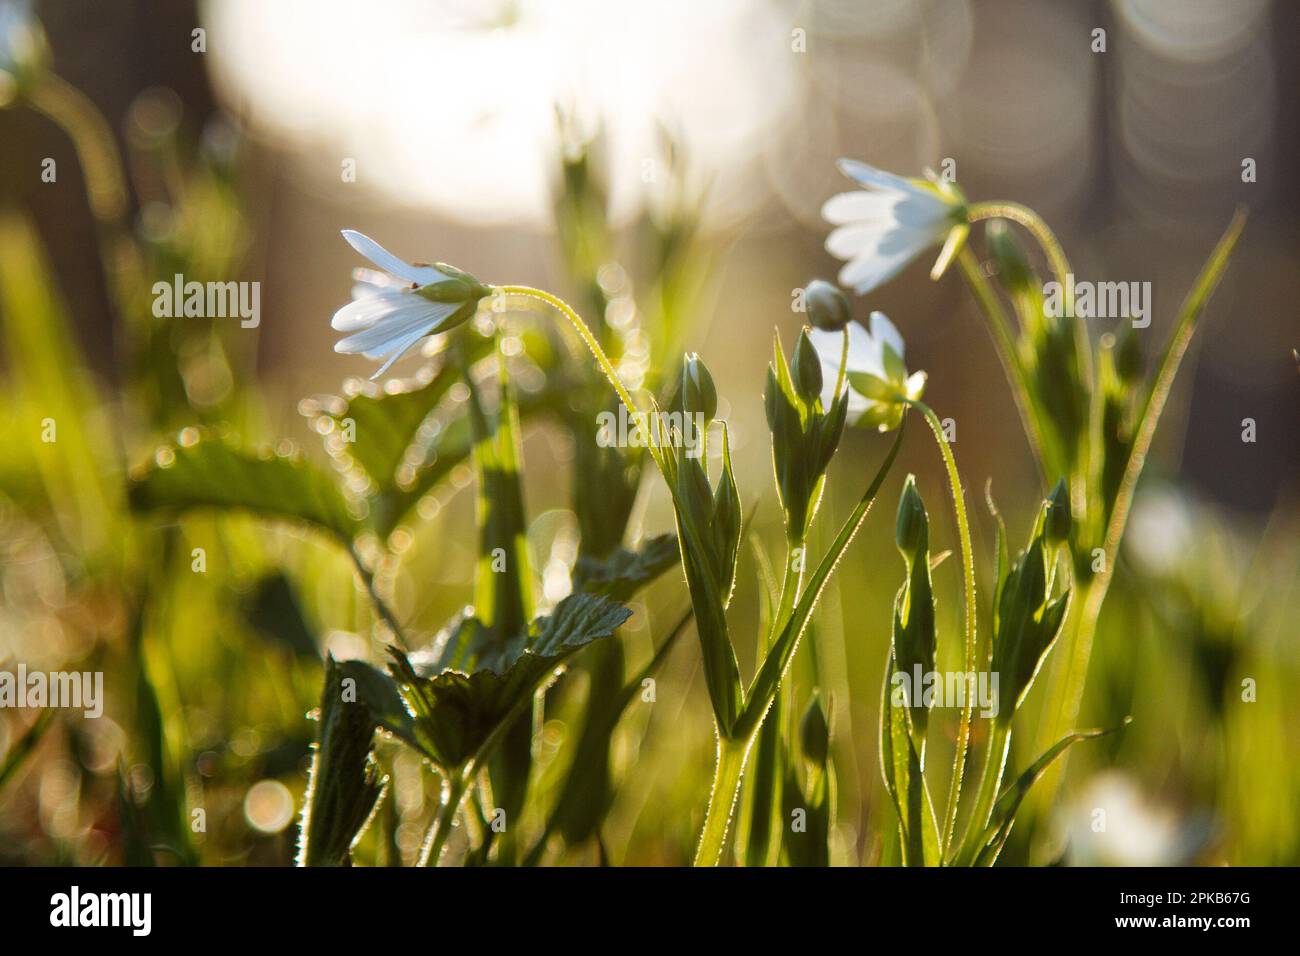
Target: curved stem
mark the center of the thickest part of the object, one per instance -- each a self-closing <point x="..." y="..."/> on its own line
<point x="76" y="115"/>
<point x="368" y="577"/>
<point x="968" y="569"/>
<point x="1051" y="246"/>
<point x="588" y="338"/>
<point x="732" y="755"/>
<point x="1005" y="344"/>
<point x="1056" y="260"/>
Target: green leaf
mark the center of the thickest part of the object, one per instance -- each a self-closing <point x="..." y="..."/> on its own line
<point x="503" y="599"/>
<point x="623" y="572"/>
<point x="455" y="716"/>
<point x="1003" y="817"/>
<point x="904" y="775"/>
<point x="50" y="387"/>
<point x="209" y="473"/>
<point x="383" y="423"/>
<point x="344" y="786"/>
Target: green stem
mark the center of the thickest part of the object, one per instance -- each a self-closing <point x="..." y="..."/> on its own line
<point x="1003" y="341"/>
<point x="368" y="577"/>
<point x="732" y="755"/>
<point x="76" y="115"/>
<point x="453" y="792"/>
<point x="990" y="783"/>
<point x="1056" y="261"/>
<point x="1051" y="246"/>
<point x="588" y="338"/>
<point x="1067" y="689"/>
<point x="971" y="636"/>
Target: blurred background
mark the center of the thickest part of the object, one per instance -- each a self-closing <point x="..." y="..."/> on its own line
<point x="451" y="131"/>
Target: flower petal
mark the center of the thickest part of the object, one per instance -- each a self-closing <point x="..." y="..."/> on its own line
<point x="421" y="275"/>
<point x="875" y="178"/>
<point x="860" y="206"/>
<point x="398" y="351"/>
<point x="388" y="331"/>
<point x="881" y="261"/>
<point x="884" y="332"/>
<point x="365" y="310"/>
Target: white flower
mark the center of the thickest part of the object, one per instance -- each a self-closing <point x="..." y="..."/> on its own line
<point x="392" y="310"/>
<point x="881" y="230"/>
<point x="22" y="42"/>
<point x="877" y="380"/>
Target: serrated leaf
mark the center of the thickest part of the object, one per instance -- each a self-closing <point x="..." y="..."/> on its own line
<point x="344" y="786"/>
<point x="453" y="716"/>
<point x="212" y="474"/>
<point x="623" y="572"/>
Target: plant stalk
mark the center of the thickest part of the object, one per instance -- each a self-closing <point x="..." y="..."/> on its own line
<point x="971" y="634"/>
<point x="732" y="755"/>
<point x="453" y="791"/>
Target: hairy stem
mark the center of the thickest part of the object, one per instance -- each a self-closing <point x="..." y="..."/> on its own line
<point x="732" y="755"/>
<point x="971" y="635"/>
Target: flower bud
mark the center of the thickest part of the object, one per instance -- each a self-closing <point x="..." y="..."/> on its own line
<point x="1056" y="525"/>
<point x="1128" y="357"/>
<point x="912" y="527"/>
<point x="698" y="394"/>
<point x="815" y="733"/>
<point x="807" y="370"/>
<point x="827" y="307"/>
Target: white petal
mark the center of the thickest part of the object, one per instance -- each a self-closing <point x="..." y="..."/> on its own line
<point x="364" y="311"/>
<point x="918" y="210"/>
<point x="367" y="280"/>
<point x="421" y="275"/>
<point x="860" y="206"/>
<point x="387" y="332"/>
<point x="883" y="331"/>
<point x="401" y="349"/>
<point x="880" y="259"/>
<point x="864" y="356"/>
<point x="849" y="242"/>
<point x="875" y="178"/>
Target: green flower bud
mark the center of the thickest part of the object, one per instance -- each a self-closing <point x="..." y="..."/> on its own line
<point x="1009" y="254"/>
<point x="815" y="733"/>
<point x="912" y="527"/>
<point x="807" y="371"/>
<point x="828" y="308"/>
<point x="698" y="393"/>
<point x="1056" y="525"/>
<point x="1128" y="357"/>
